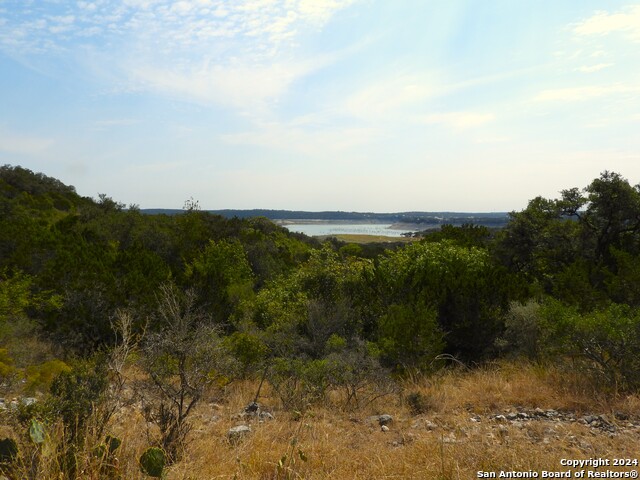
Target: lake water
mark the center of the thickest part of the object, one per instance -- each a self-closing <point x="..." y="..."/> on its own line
<point x="313" y="229"/>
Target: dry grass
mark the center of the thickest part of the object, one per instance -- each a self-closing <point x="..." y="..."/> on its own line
<point x="445" y="442"/>
<point x="362" y="238"/>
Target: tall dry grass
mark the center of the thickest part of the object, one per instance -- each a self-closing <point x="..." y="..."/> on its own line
<point x="444" y="441"/>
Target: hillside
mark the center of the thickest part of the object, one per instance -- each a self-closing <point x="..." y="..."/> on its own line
<point x="132" y="341"/>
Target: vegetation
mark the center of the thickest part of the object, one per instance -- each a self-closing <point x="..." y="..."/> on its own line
<point x="107" y="313"/>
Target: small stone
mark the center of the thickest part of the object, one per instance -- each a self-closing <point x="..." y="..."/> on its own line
<point x="235" y="434"/>
<point x="451" y="438"/>
<point x="589" y="419"/>
<point x="26" y="401"/>
<point x="512" y="416"/>
<point x="265" y="416"/>
<point x="500" y="418"/>
<point x="385" y="420"/>
<point x="430" y="425"/>
<point x="384" y="428"/>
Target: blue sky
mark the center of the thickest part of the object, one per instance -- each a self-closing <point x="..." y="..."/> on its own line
<point x="367" y="105"/>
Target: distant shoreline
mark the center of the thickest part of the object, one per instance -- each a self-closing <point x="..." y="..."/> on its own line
<point x="320" y="221"/>
<point x="414" y="227"/>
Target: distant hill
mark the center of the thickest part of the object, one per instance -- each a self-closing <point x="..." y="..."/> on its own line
<point x="489" y="219"/>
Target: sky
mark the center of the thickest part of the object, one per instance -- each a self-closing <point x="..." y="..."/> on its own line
<point x="354" y="105"/>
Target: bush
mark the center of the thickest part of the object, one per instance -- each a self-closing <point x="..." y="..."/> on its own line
<point x="522" y="330"/>
<point x="40" y="377"/>
<point x="247" y="348"/>
<point x="299" y="383"/>
<point x="182" y="360"/>
<point x="409" y="337"/>
<point x="418" y="403"/>
<point x="604" y="343"/>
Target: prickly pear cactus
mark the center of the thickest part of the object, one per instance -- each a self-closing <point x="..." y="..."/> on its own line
<point x="152" y="462"/>
<point x="8" y="450"/>
<point x="112" y="443"/>
<point x="36" y="431"/>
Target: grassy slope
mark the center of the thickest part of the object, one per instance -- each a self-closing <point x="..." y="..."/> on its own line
<point x="357" y="238"/>
<point x="444" y="442"/>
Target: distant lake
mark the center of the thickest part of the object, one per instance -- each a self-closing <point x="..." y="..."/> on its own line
<point x="315" y="229"/>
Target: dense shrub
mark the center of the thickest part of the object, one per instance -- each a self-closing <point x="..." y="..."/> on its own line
<point x="604" y="343"/>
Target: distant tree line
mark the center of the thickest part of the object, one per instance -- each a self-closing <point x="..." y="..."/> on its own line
<point x="496" y="219"/>
<point x="560" y="282"/>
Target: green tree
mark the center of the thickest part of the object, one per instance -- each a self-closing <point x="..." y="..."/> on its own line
<point x="222" y="277"/>
<point x="462" y="285"/>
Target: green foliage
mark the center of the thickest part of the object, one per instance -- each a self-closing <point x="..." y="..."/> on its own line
<point x="325" y="295"/>
<point x="604" y="342"/>
<point x="623" y="281"/>
<point x="574" y="248"/>
<point x="409" y="336"/>
<point x="153" y="461"/>
<point x="464" y="288"/>
<point x="466" y="235"/>
<point x="300" y="383"/>
<point x="222" y="276"/>
<point x="40" y="377"/>
<point x="248" y="348"/>
<point x="522" y="335"/>
<point x="7" y="369"/>
<point x="335" y="343"/>
<point x="76" y="395"/>
<point x="351" y="250"/>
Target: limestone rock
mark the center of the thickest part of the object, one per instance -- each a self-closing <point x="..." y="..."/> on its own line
<point x="235" y="434"/>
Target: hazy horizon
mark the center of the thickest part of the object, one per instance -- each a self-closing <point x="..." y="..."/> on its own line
<point x="319" y="105"/>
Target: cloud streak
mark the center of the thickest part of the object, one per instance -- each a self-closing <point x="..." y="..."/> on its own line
<point x="459" y="120"/>
<point x="605" y="23"/>
<point x="579" y="94"/>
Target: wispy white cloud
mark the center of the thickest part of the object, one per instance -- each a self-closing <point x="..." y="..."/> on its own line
<point x="387" y="96"/>
<point x="169" y="25"/>
<point x="242" y="86"/>
<point x="577" y="94"/>
<point x="236" y="53"/>
<point x="593" y="68"/>
<point x="604" y="23"/>
<point x="459" y="119"/>
<point x="304" y="139"/>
